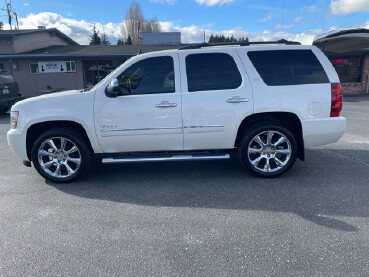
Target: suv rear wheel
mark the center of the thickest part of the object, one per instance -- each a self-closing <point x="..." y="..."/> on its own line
<point x="61" y="155"/>
<point x="268" y="150"/>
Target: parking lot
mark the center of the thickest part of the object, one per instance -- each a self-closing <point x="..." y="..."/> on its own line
<point x="193" y="218"/>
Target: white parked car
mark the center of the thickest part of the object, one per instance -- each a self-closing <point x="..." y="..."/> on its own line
<point x="266" y="102"/>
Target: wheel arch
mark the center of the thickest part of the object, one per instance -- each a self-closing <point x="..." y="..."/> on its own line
<point x="288" y="120"/>
<point x="35" y="130"/>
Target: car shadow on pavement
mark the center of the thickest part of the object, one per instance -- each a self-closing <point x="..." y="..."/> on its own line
<point x="317" y="190"/>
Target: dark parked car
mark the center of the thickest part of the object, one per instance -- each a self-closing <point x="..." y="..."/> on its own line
<point x="9" y="92"/>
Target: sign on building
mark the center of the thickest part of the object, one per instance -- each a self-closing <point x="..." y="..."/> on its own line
<point x="56" y="67"/>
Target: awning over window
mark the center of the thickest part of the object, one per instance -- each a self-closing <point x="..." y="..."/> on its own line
<point x="343" y="41"/>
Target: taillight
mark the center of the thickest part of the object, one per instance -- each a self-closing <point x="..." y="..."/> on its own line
<point x="336" y="104"/>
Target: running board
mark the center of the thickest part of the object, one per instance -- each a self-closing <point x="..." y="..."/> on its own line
<point x="161" y="159"/>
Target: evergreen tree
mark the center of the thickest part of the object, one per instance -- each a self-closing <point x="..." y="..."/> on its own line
<point x="211" y="39"/>
<point x="129" y="40"/>
<point x="222" y="38"/>
<point x="1" y="25"/>
<point x="104" y="39"/>
<point x="94" y="38"/>
<point x="120" y="41"/>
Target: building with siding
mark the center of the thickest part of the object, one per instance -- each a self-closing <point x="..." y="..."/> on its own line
<point x="47" y="60"/>
<point x="348" y="51"/>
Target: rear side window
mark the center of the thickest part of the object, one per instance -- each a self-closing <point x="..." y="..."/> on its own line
<point x="212" y="71"/>
<point x="288" y="67"/>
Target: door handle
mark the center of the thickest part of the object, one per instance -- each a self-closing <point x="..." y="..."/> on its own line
<point x="237" y="99"/>
<point x="166" y="105"/>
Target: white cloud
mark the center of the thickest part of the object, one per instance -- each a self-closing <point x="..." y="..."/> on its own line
<point x="267" y="18"/>
<point x="310" y="9"/>
<point x="170" y="2"/>
<point x="26" y="4"/>
<point x="80" y="30"/>
<point x="296" y="21"/>
<point x="348" y="6"/>
<point x="284" y="27"/>
<point x="214" y="2"/>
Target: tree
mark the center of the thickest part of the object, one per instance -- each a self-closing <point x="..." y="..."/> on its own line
<point x="120" y="41"/>
<point x="104" y="39"/>
<point x="222" y="38"/>
<point x="129" y="40"/>
<point x="134" y="24"/>
<point x="94" y="38"/>
<point x="1" y="25"/>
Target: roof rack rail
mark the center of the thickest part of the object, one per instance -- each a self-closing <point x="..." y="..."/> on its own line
<point x="202" y="45"/>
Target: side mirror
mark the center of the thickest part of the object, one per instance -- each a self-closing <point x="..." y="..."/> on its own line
<point x="112" y="90"/>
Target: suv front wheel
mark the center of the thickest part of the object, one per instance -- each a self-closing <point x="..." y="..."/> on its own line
<point x="268" y="150"/>
<point x="61" y="155"/>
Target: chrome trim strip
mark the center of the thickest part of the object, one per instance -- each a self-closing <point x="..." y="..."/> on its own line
<point x="203" y="126"/>
<point x="139" y="129"/>
<point x="159" y="159"/>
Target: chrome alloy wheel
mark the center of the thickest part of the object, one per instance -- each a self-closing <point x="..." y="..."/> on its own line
<point x="59" y="157"/>
<point x="269" y="151"/>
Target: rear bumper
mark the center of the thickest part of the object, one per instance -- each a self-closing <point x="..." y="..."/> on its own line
<point x="17" y="142"/>
<point x="322" y="131"/>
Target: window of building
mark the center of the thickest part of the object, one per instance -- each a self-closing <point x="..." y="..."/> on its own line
<point x="148" y="76"/>
<point x="212" y="71"/>
<point x="71" y="66"/>
<point x="1" y="66"/>
<point x="33" y="68"/>
<point x="288" y="67"/>
<point x="349" y="68"/>
<point x="96" y="70"/>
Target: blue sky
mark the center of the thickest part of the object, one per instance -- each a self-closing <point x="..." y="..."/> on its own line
<point x="259" y="19"/>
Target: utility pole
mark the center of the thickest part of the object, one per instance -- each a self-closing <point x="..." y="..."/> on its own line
<point x="204" y="36"/>
<point x="283" y="15"/>
<point x="323" y="21"/>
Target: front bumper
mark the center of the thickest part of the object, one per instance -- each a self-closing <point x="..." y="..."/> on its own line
<point x="322" y="131"/>
<point x="17" y="142"/>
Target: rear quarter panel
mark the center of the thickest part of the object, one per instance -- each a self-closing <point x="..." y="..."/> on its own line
<point x="306" y="101"/>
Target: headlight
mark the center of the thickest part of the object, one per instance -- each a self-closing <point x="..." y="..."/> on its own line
<point x="14" y="119"/>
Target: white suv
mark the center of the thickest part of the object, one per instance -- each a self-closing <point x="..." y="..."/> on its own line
<point x="266" y="102"/>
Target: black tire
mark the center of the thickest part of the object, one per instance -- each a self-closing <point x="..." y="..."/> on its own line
<point x="248" y="140"/>
<point x="73" y="137"/>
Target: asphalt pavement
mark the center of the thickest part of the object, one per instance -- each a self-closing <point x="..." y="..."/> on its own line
<point x="208" y="218"/>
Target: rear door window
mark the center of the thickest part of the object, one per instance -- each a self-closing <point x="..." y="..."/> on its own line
<point x="288" y="67"/>
<point x="212" y="71"/>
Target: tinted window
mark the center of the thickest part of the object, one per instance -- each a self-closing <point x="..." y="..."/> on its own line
<point x="152" y="75"/>
<point x="213" y="71"/>
<point x="288" y="67"/>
